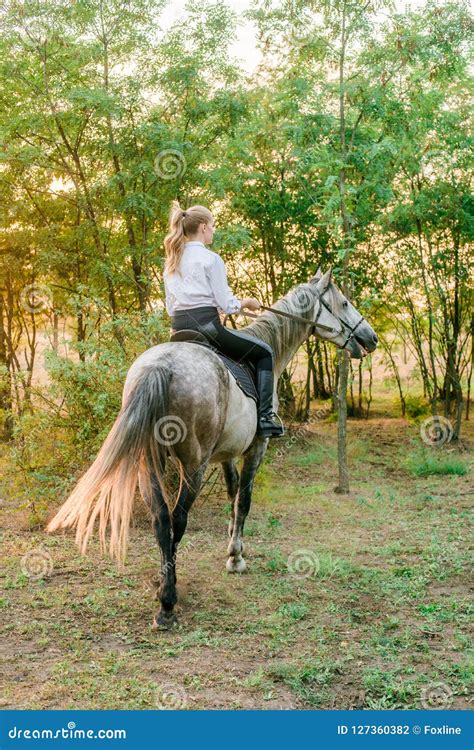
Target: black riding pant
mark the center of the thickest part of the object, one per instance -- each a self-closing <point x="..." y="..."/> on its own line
<point x="237" y="344"/>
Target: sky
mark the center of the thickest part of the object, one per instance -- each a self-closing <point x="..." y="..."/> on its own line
<point x="245" y="48"/>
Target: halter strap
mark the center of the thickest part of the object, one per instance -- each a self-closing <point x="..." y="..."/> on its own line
<point x="351" y="329"/>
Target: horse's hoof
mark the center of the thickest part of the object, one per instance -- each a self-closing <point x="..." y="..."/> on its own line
<point x="236" y="566"/>
<point x="235" y="549"/>
<point x="165" y="620"/>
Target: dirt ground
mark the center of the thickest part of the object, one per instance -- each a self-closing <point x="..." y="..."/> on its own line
<point x="358" y="601"/>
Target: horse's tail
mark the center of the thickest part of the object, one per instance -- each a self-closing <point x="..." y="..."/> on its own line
<point x="132" y="448"/>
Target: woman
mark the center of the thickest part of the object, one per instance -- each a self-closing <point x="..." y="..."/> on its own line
<point x="196" y="289"/>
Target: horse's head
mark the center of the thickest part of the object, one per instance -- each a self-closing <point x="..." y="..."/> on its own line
<point x="358" y="337"/>
<point x="313" y="301"/>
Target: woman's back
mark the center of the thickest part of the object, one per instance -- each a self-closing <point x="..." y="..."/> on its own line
<point x="199" y="280"/>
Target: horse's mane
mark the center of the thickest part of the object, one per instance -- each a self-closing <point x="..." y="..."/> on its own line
<point x="279" y="331"/>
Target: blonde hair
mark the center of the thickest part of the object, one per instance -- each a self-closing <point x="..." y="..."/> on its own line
<point x="183" y="225"/>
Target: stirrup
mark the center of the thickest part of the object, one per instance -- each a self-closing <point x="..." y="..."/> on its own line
<point x="272" y="429"/>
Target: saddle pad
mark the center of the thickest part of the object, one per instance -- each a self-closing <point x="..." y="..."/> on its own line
<point x="242" y="372"/>
<point x="243" y="375"/>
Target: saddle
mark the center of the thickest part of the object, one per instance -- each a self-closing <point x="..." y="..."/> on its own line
<point x="242" y="372"/>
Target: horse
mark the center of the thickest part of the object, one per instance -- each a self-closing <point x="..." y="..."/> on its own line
<point x="180" y="403"/>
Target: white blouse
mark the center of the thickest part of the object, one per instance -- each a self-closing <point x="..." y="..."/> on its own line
<point x="203" y="281"/>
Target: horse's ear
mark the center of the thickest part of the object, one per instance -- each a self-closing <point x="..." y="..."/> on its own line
<point x="314" y="279"/>
<point x="325" y="280"/>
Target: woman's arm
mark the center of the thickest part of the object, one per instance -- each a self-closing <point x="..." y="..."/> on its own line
<point x="223" y="295"/>
<point x="168" y="298"/>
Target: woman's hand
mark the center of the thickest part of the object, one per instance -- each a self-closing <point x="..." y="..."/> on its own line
<point x="250" y="303"/>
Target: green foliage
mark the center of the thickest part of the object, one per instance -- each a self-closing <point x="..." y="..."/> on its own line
<point x="39" y="475"/>
<point x="416" y="406"/>
<point x="90" y="390"/>
<point x="79" y="406"/>
<point x="293" y="610"/>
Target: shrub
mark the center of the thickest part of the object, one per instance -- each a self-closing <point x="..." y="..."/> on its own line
<point x="416" y="406"/>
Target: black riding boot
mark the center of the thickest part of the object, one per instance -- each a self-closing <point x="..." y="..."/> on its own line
<point x="266" y="425"/>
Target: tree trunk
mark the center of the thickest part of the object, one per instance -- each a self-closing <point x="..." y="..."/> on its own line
<point x="343" y="369"/>
<point x="6" y="402"/>
<point x="286" y="394"/>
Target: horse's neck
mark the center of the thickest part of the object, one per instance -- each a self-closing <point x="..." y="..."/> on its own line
<point x="299" y="334"/>
<point x="290" y="333"/>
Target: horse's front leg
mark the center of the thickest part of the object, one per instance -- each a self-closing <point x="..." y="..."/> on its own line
<point x="252" y="460"/>
<point x="232" y="482"/>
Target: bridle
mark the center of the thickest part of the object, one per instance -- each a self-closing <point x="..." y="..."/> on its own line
<point x="351" y="329"/>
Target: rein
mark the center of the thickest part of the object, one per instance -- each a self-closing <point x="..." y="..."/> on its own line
<point x="313" y="323"/>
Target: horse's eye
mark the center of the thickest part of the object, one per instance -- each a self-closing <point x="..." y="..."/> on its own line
<point x="345" y="303"/>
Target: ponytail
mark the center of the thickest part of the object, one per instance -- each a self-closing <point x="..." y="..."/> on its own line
<point x="183" y="224"/>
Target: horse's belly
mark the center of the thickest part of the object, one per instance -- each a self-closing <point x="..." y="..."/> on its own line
<point x="240" y="425"/>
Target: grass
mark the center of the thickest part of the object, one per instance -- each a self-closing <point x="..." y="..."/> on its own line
<point x="382" y="614"/>
<point x="427" y="464"/>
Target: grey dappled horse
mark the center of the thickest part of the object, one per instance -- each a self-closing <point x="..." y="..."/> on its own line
<point x="179" y="400"/>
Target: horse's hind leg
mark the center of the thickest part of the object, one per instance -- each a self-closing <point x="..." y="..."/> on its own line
<point x="252" y="460"/>
<point x="169" y="529"/>
<point x="187" y="496"/>
<point x="163" y="530"/>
